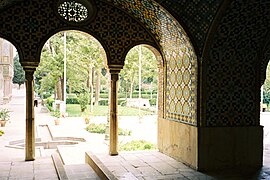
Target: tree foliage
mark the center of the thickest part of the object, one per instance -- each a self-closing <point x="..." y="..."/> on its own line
<point x="84" y="59"/>
<point x="129" y="76"/>
<point x="19" y="75"/>
<point x="86" y="74"/>
<point x="266" y="86"/>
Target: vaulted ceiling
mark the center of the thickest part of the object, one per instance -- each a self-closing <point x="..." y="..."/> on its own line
<point x="195" y="16"/>
<point x="198" y="16"/>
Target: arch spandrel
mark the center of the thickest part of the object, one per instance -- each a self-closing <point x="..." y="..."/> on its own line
<point x="180" y="101"/>
<point x="112" y="27"/>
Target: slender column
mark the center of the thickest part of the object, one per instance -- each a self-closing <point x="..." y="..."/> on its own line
<point x="113" y="113"/>
<point x="30" y="117"/>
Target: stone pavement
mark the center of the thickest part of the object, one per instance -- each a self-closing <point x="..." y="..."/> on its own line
<point x="12" y="162"/>
<point x="127" y="165"/>
<point x="155" y="165"/>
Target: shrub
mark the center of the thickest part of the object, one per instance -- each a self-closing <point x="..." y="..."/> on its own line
<point x="103" y="102"/>
<point x="152" y="101"/>
<point x="1" y="132"/>
<point x="83" y="100"/>
<point x="96" y="128"/>
<point x="46" y="95"/>
<point x="49" y="102"/>
<point x="56" y="114"/>
<point x="124" y="132"/>
<point x="101" y="129"/>
<point x="121" y="95"/>
<point x="71" y="95"/>
<point x="137" y="145"/>
<point x="122" y="102"/>
<point x="72" y="100"/>
<point x="104" y="95"/>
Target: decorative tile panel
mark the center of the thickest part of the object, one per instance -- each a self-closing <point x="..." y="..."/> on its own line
<point x="6" y="3"/>
<point x="181" y="62"/>
<point x="196" y="14"/>
<point x="232" y="91"/>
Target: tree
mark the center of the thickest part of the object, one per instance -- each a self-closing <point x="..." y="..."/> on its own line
<point x="50" y="69"/>
<point x="266" y="86"/>
<point x="19" y="75"/>
<point x="129" y="78"/>
<point x="87" y="61"/>
<point x="84" y="59"/>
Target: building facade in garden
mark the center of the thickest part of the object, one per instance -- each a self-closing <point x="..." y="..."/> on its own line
<point x="212" y="58"/>
<point x="6" y="70"/>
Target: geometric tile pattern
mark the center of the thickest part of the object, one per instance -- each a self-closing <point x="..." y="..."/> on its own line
<point x="118" y="31"/>
<point x="231" y="70"/>
<point x="181" y="62"/>
<point x="5" y="3"/>
<point x="181" y="83"/>
<point x="115" y="32"/>
<point x="73" y="11"/>
<point x="197" y="16"/>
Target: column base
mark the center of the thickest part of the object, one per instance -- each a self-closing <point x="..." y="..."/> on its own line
<point x="30" y="159"/>
<point x="113" y="153"/>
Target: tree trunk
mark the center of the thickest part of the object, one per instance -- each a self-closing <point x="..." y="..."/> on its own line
<point x="70" y="88"/>
<point x="90" y="86"/>
<point x="131" y="88"/>
<point x="151" y="90"/>
<point x="59" y="90"/>
<point x="97" y="91"/>
<point x="89" y="79"/>
<point x="62" y="88"/>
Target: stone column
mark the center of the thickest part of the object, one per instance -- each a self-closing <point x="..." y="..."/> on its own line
<point x="6" y="93"/>
<point x="114" y="113"/>
<point x="30" y="117"/>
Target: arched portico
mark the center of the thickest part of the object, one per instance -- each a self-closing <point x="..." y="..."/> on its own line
<point x="211" y="69"/>
<point x="117" y="34"/>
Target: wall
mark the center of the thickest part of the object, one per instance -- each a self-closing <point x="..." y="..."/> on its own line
<point x="230" y="147"/>
<point x="179" y="141"/>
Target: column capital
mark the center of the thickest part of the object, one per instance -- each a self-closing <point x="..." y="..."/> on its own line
<point x="29" y="74"/>
<point x="114" y="72"/>
<point x="29" y="65"/>
<point x="115" y="69"/>
<point x="115" y="77"/>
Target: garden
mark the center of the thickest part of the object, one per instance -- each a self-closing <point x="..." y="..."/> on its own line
<point x="73" y="70"/>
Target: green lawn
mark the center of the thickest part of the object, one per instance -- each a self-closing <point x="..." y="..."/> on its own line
<point x="73" y="110"/>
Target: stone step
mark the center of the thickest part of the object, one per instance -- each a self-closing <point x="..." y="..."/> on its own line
<point x="80" y="172"/>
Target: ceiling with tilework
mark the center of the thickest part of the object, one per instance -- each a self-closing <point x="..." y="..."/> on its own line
<point x="5" y="3"/>
<point x="195" y="15"/>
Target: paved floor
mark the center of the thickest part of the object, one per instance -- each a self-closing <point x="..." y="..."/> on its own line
<point x="155" y="165"/>
<point x="134" y="165"/>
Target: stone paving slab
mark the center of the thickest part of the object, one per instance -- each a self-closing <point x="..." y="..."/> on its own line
<point x="41" y="168"/>
<point x="147" y="165"/>
<point x="80" y="172"/>
<point x="155" y="165"/>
